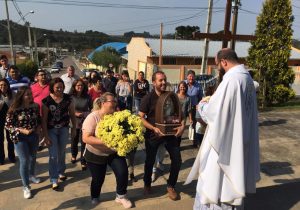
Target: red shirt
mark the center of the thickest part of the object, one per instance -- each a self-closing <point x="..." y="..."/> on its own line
<point x="39" y="93"/>
<point x="95" y="94"/>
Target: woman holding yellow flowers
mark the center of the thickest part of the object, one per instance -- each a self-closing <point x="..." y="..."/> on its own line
<point x="98" y="155"/>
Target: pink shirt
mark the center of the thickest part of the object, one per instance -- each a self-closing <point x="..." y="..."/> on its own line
<point x="39" y="93"/>
<point x="89" y="126"/>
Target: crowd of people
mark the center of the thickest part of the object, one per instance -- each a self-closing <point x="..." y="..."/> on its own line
<point x="43" y="111"/>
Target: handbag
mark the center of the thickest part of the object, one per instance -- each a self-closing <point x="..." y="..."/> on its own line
<point x="191" y="132"/>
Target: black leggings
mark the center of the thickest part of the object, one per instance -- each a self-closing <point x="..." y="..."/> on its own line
<point x="119" y="167"/>
<point x="74" y="146"/>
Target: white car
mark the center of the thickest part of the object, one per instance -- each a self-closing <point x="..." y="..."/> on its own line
<point x="55" y="69"/>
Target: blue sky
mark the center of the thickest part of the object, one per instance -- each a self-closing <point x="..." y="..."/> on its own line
<point x="120" y="20"/>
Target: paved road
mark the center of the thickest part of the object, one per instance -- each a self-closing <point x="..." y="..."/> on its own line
<point x="69" y="60"/>
<point x="278" y="189"/>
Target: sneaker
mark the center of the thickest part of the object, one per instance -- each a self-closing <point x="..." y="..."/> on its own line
<point x="27" y="192"/>
<point x="95" y="201"/>
<point x="62" y="177"/>
<point x="124" y="201"/>
<point x="35" y="179"/>
<point x="55" y="186"/>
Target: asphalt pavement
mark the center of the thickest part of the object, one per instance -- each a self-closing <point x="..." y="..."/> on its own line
<point x="278" y="188"/>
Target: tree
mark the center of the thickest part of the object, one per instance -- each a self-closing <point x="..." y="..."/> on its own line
<point x="107" y="56"/>
<point x="270" y="51"/>
<point x="28" y="69"/>
<point x="186" y="32"/>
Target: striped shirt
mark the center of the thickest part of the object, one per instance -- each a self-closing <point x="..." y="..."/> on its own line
<point x="16" y="84"/>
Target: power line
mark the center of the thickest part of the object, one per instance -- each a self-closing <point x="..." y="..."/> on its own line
<point x="18" y="10"/>
<point x="298" y="7"/>
<point x="134" y="21"/>
<point x="107" y="5"/>
<point x="250" y="12"/>
<point x="167" y="23"/>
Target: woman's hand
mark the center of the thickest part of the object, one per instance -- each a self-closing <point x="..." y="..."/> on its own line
<point x="47" y="141"/>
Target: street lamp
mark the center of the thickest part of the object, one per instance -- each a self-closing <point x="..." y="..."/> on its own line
<point x="29" y="34"/>
<point x="35" y="45"/>
<point x="9" y="35"/>
<point x="23" y="18"/>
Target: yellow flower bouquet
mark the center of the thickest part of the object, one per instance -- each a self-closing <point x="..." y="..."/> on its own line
<point x="121" y="131"/>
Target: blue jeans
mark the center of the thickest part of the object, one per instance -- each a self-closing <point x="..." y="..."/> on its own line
<point x="26" y="149"/>
<point x="57" y="152"/>
<point x="137" y="103"/>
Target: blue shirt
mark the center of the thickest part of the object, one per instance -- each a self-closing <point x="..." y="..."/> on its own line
<point x="16" y="84"/>
<point x="195" y="93"/>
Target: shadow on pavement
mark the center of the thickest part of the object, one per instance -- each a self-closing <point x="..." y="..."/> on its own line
<point x="278" y="197"/>
<point x="276" y="168"/>
<point x="273" y="122"/>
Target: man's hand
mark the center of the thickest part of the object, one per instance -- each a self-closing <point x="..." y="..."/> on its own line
<point x="205" y="99"/>
<point x="179" y="130"/>
<point x="157" y="131"/>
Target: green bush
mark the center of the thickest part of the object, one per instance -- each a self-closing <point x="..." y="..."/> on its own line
<point x="28" y="69"/>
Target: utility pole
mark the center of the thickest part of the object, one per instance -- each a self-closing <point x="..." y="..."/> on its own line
<point x="9" y="35"/>
<point x="48" y="54"/>
<point x="206" y="43"/>
<point x="160" y="61"/>
<point x="29" y="41"/>
<point x="236" y="4"/>
<point x="227" y="23"/>
<point x="35" y="48"/>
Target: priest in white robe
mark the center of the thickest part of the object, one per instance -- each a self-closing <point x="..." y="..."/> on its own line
<point x="227" y="163"/>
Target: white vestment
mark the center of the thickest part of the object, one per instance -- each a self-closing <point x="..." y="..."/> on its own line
<point x="228" y="160"/>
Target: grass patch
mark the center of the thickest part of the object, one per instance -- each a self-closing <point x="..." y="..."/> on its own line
<point x="290" y="105"/>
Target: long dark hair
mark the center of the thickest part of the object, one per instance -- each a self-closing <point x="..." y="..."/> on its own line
<point x="53" y="82"/>
<point x="185" y="85"/>
<point x="9" y="92"/>
<point x="18" y="99"/>
<point x="84" y="91"/>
